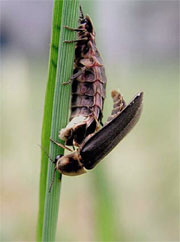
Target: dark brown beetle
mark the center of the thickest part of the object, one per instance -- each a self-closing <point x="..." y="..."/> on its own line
<point x="88" y="93"/>
<point x="98" y="145"/>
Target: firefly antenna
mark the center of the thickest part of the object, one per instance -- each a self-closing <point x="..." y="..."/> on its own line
<point x="53" y="179"/>
<point x="53" y="161"/>
<point x="81" y="13"/>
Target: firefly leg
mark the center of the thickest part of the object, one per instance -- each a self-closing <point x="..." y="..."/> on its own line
<point x="75" y="76"/>
<point x="61" y="145"/>
<point x="75" y="41"/>
<point x="73" y="29"/>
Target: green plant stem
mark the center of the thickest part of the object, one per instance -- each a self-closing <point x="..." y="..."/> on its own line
<point x="70" y="12"/>
<point x="47" y="119"/>
<point x="106" y="217"/>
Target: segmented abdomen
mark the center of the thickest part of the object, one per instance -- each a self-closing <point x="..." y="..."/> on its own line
<point x="88" y="87"/>
<point x="118" y="105"/>
<point x="88" y="93"/>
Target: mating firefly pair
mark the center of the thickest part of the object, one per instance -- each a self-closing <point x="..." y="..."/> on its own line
<point x="84" y="130"/>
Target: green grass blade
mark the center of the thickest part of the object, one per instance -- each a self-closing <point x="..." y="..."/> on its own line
<point x="70" y="13"/>
<point x="46" y="129"/>
<point x="107" y="226"/>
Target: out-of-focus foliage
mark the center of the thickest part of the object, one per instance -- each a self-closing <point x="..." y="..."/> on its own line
<point x="139" y="44"/>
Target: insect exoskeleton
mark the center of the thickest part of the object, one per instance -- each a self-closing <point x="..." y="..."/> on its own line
<point x="84" y="130"/>
<point x="98" y="145"/>
<point x="70" y="164"/>
<point x="88" y="86"/>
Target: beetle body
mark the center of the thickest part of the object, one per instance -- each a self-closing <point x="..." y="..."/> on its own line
<point x="88" y="87"/>
<point x="88" y="93"/>
<point x="96" y="147"/>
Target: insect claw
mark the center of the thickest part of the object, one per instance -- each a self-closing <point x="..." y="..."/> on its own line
<point x="66" y="83"/>
<point x="67" y="27"/>
<point x="69" y="41"/>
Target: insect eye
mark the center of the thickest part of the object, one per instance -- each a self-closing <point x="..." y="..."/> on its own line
<point x="57" y="158"/>
<point x="83" y="21"/>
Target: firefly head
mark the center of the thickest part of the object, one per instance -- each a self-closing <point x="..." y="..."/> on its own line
<point x="70" y="164"/>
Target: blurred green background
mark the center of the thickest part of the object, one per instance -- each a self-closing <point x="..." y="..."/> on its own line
<point x="133" y="195"/>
